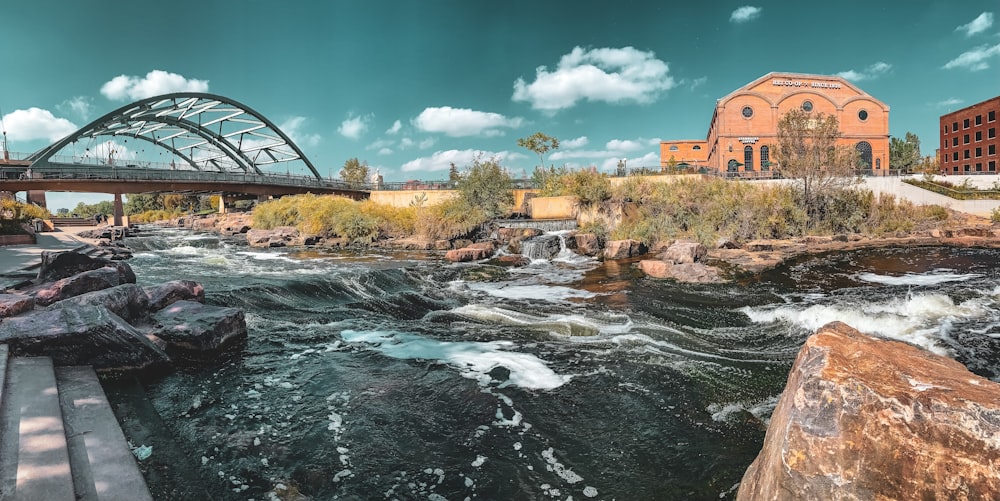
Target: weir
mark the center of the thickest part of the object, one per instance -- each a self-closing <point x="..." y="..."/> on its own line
<point x="541" y="224"/>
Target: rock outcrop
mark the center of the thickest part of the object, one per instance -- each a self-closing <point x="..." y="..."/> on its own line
<point x="681" y="261"/>
<point x="471" y="252"/>
<point x="194" y="329"/>
<point x="163" y="295"/>
<point x="867" y="418"/>
<point x="684" y="252"/>
<point x="128" y="301"/>
<point x="278" y="237"/>
<point x="15" y="304"/>
<point x="621" y="249"/>
<point x="81" y="335"/>
<point x="87" y="281"/>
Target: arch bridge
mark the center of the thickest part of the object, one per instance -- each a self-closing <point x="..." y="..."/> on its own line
<point x="199" y="143"/>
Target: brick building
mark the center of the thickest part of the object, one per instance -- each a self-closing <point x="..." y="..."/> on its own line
<point x="969" y="139"/>
<point x="743" y="130"/>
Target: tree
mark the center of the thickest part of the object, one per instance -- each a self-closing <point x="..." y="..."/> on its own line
<point x="102" y="207"/>
<point x="487" y="186"/>
<point x="355" y="172"/>
<point x="540" y="144"/>
<point x="904" y="154"/>
<point x="143" y="202"/>
<point x="807" y="150"/>
<point x="671" y="165"/>
<point x="453" y="174"/>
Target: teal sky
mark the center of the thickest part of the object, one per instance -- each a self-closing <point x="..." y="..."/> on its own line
<point x="411" y="86"/>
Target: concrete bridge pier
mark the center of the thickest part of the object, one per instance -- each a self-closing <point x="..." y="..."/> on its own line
<point x="119" y="210"/>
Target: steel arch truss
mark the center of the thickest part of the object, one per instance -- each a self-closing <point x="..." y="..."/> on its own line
<point x="206" y="131"/>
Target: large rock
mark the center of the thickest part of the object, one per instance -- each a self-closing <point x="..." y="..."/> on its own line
<point x="78" y="284"/>
<point x="163" y="295"/>
<point x="194" y="329"/>
<point x="128" y="301"/>
<point x="621" y="249"/>
<point x="57" y="265"/>
<point x="866" y="418"/>
<point x="15" y="304"/>
<point x="541" y="247"/>
<point x="695" y="273"/>
<point x="684" y="252"/>
<point x="277" y="237"/>
<point x="466" y="254"/>
<point x="89" y="335"/>
<point x="507" y="235"/>
<point x="587" y="244"/>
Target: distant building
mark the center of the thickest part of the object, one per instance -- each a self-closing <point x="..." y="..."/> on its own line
<point x="744" y="126"/>
<point x="969" y="139"/>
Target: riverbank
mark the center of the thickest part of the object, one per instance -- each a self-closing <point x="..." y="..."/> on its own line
<point x="733" y="258"/>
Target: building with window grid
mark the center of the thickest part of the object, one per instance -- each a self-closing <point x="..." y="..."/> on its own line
<point x="969" y="139"/>
<point x="744" y="126"/>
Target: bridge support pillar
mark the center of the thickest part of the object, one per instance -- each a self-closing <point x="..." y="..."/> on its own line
<point x="36" y="197"/>
<point x="119" y="210"/>
<point x="222" y="204"/>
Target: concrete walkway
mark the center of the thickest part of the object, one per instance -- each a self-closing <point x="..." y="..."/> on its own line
<point x="20" y="262"/>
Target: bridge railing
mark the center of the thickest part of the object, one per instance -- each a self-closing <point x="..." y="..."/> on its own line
<point x="134" y="173"/>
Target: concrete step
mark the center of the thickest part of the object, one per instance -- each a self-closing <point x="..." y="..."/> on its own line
<point x="34" y="459"/>
<point x="102" y="463"/>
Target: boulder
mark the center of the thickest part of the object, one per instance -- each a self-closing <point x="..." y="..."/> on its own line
<point x="507" y="235"/>
<point x="512" y="260"/>
<point x="89" y="335"/>
<point x="163" y="295"/>
<point x="588" y="244"/>
<point x="277" y="237"/>
<point x="15" y="304"/>
<point x="128" y="301"/>
<point x="620" y="249"/>
<point x="759" y="246"/>
<point x="442" y="245"/>
<point x="868" y="418"/>
<point x="467" y="254"/>
<point x="488" y="246"/>
<point x="57" y="265"/>
<point x="725" y="243"/>
<point x="684" y="252"/>
<point x="694" y="273"/>
<point x="541" y="247"/>
<point x="81" y="283"/>
<point x="194" y="329"/>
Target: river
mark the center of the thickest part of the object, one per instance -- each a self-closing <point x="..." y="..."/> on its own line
<point x="382" y="375"/>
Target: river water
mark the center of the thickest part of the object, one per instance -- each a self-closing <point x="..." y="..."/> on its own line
<point x="383" y="375"/>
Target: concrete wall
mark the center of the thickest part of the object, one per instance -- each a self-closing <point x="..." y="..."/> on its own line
<point x="552" y="208"/>
<point x="403" y="198"/>
<point x="920" y="196"/>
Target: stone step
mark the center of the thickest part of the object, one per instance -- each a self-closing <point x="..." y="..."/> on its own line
<point x="34" y="460"/>
<point x="103" y="465"/>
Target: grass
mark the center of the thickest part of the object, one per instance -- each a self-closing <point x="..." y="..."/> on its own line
<point x="964" y="191"/>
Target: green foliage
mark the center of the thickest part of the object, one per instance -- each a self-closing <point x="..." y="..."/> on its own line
<point x="549" y="181"/>
<point x="487" y="186"/>
<point x="904" y="154"/>
<point x="540" y="144"/>
<point x="995" y="215"/>
<point x="355" y="172"/>
<point x="450" y="219"/>
<point x="588" y="186"/>
<point x="142" y="202"/>
<point x="807" y="150"/>
<point x="152" y="216"/>
<point x="14" y="213"/>
<point x="105" y="207"/>
<point x="964" y="191"/>
<point x="333" y="216"/>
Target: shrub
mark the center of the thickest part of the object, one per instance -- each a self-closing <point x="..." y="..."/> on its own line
<point x="588" y="186"/>
<point x="451" y="219"/>
<point x="487" y="186"/>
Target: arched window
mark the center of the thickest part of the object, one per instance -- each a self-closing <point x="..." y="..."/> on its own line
<point x="865" y="152"/>
<point x="673" y="148"/>
<point x="878" y="163"/>
<point x="748" y="158"/>
<point x="696" y="147"/>
<point x="733" y="165"/>
<point x="765" y="162"/>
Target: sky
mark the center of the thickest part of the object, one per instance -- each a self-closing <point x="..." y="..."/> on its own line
<point x="412" y="86"/>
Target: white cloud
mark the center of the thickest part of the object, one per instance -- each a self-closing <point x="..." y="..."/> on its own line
<point x="81" y="106"/>
<point x="155" y="82"/>
<point x="35" y="123"/>
<point x="974" y="60"/>
<point x="460" y="122"/>
<point x="442" y="160"/>
<point x="631" y="145"/>
<point x="385" y="151"/>
<point x="978" y="25"/>
<point x="949" y="102"/>
<point x="744" y="14"/>
<point x="570" y="144"/>
<point x="396" y="126"/>
<point x="607" y="75"/>
<point x="874" y="71"/>
<point x="698" y="82"/>
<point x="293" y="127"/>
<point x="649" y="160"/>
<point x="406" y="143"/>
<point x="426" y="143"/>
<point x="354" y="126"/>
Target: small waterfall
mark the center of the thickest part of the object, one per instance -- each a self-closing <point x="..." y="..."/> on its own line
<point x="545" y="246"/>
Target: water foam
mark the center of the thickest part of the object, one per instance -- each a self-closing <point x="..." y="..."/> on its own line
<point x="920" y="319"/>
<point x="564" y="324"/>
<point x="473" y="360"/>
<point x="552" y="293"/>
<point x="935" y="277"/>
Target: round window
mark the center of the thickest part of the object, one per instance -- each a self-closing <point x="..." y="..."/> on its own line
<point x="747" y="112"/>
<point x="807" y="106"/>
<point x="862" y="115"/>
